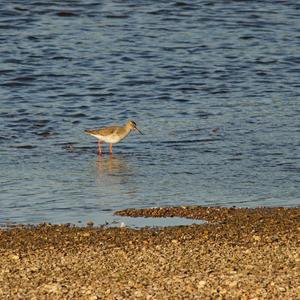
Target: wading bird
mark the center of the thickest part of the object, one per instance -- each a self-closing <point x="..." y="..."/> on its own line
<point x="112" y="134"/>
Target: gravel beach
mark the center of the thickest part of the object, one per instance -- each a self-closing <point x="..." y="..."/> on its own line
<point x="237" y="254"/>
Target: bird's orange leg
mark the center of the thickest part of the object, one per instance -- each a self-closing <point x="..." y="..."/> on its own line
<point x="99" y="147"/>
<point x="110" y="149"/>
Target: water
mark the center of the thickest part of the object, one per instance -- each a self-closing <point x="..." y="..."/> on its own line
<point x="141" y="222"/>
<point x="214" y="86"/>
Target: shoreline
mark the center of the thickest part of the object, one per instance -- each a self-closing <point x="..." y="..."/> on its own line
<point x="239" y="253"/>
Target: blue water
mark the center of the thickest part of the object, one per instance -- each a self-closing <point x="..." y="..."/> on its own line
<point x="213" y="85"/>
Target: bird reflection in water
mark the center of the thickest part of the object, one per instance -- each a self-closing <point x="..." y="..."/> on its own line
<point x="112" y="165"/>
<point x="115" y="177"/>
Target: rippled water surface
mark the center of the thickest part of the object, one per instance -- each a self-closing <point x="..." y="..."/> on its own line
<point x="214" y="86"/>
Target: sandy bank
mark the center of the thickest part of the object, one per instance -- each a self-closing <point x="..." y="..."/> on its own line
<point x="240" y="254"/>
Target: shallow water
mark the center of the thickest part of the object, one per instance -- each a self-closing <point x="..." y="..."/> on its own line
<point x="141" y="222"/>
<point x="214" y="86"/>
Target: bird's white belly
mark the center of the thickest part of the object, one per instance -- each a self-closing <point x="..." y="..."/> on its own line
<point x="111" y="139"/>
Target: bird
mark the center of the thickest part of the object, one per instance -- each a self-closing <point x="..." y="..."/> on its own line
<point x="112" y="134"/>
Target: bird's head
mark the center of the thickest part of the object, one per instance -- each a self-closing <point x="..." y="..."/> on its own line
<point x="132" y="125"/>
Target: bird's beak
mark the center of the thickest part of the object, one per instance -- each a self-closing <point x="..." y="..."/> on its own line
<point x="138" y="130"/>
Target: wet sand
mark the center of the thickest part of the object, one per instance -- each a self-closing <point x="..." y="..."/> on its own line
<point x="238" y="254"/>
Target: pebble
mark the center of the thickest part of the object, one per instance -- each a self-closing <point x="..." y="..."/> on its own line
<point x="201" y="284"/>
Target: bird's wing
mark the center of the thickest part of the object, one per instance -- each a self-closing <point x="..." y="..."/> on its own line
<point x="104" y="131"/>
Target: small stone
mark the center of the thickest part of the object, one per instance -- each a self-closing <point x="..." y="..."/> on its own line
<point x="52" y="288"/>
<point x="275" y="238"/>
<point x="233" y="284"/>
<point x="138" y="294"/>
<point x="34" y="269"/>
<point x="201" y="284"/>
<point x="14" y="257"/>
<point x="122" y="225"/>
<point x="256" y="238"/>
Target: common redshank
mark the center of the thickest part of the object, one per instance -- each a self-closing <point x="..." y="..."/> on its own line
<point x="112" y="134"/>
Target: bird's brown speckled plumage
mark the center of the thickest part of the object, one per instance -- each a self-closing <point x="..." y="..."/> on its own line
<point x="112" y="134"/>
